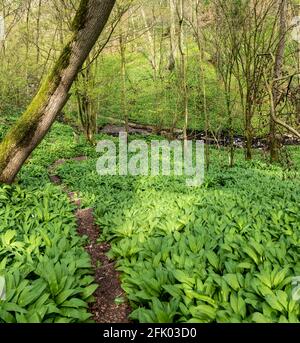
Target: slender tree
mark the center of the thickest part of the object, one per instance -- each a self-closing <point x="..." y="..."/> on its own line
<point x="277" y="74"/>
<point x="183" y="66"/>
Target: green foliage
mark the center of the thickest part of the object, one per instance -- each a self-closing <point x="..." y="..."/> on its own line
<point x="224" y="252"/>
<point x="46" y="270"/>
<point x="157" y="102"/>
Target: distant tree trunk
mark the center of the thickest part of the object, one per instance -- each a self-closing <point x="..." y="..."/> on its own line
<point x="85" y="100"/>
<point x="123" y="39"/>
<point x="277" y="74"/>
<point x="248" y="130"/>
<point x="183" y="76"/>
<point x="28" y="9"/>
<point x="173" y="47"/>
<point x="195" y="23"/>
<point x="36" y="121"/>
<point x="205" y="110"/>
<point x="37" y="42"/>
<point x="152" y="48"/>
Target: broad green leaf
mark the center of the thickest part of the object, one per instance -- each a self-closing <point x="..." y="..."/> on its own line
<point x="232" y="281"/>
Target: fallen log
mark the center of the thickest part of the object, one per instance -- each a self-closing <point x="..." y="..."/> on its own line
<point x="150" y="128"/>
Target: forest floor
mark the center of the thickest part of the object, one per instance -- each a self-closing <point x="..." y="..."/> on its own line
<point x="105" y="308"/>
<point x="226" y="251"/>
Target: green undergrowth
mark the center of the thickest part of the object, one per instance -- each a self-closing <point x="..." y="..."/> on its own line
<point x="223" y="252"/>
<point x="48" y="274"/>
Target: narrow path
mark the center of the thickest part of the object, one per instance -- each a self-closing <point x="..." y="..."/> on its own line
<point x="105" y="309"/>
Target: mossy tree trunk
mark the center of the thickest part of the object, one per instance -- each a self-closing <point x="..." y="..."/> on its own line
<point x="36" y="121"/>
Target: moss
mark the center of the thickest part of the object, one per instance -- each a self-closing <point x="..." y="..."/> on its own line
<point x="21" y="133"/>
<point x="61" y="64"/>
<point x="79" y="20"/>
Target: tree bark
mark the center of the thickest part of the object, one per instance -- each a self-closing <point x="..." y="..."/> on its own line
<point x="183" y="71"/>
<point x="277" y="73"/>
<point x="84" y="85"/>
<point x="270" y="89"/>
<point x="123" y="40"/>
<point x="173" y="46"/>
<point x="53" y="94"/>
<point x="248" y="131"/>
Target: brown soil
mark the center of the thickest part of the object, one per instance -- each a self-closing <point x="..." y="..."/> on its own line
<point x="104" y="309"/>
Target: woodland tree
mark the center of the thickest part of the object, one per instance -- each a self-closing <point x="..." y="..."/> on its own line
<point x="32" y="126"/>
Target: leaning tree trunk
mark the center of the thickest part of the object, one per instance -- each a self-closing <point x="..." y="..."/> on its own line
<point x="33" y="125"/>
